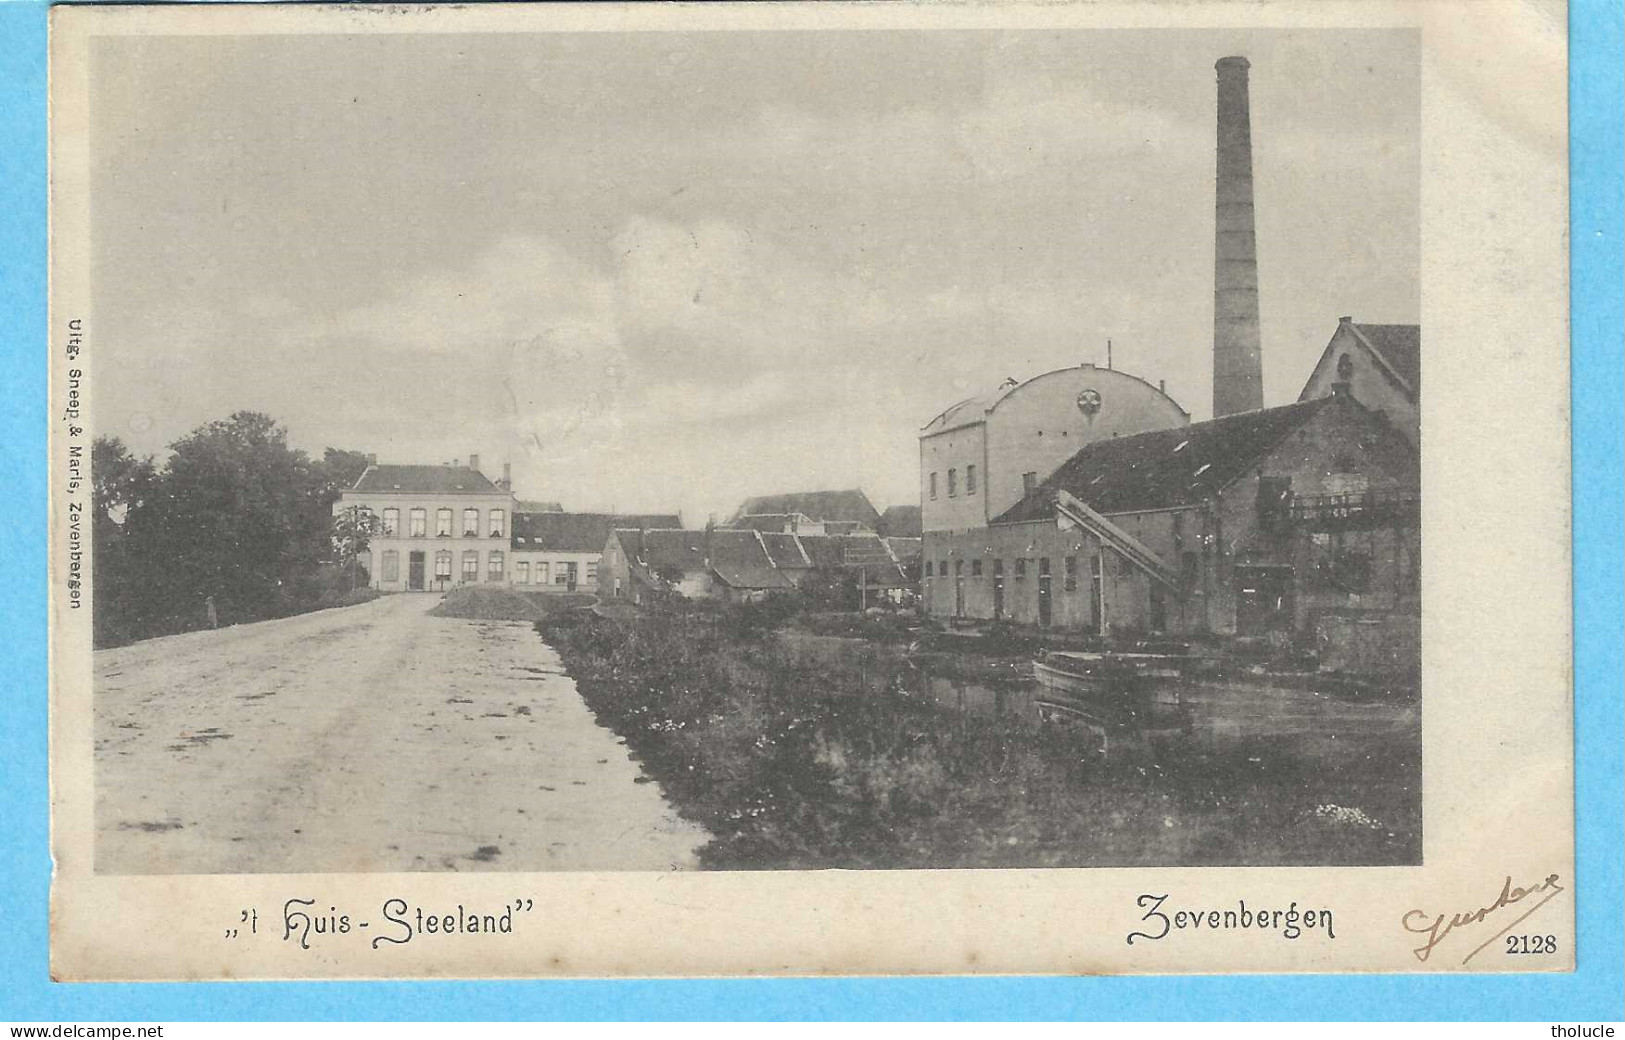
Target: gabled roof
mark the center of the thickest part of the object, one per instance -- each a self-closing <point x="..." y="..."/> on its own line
<point x="577" y="532"/>
<point x="769" y="521"/>
<point x="971" y="409"/>
<point x="785" y="551"/>
<point x="424" y="480"/>
<point x="907" y="550"/>
<point x="851" y="504"/>
<point x="899" y="522"/>
<point x="531" y="506"/>
<point x="845" y="550"/>
<point x="1400" y="346"/>
<point x="736" y="557"/>
<point x="1166" y="468"/>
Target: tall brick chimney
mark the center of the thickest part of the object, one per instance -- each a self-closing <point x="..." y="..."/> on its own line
<point x="1238" y="369"/>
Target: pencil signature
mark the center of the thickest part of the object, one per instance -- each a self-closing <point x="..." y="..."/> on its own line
<point x="1438" y="926"/>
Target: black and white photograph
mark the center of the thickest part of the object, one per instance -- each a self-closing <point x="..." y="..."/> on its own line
<point x="732" y="451"/>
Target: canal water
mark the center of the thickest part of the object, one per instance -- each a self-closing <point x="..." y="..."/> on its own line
<point x="1249" y="722"/>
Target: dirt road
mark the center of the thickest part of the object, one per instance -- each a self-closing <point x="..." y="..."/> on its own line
<point x="369" y="738"/>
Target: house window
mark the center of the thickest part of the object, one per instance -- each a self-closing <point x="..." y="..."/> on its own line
<point x="592" y="571"/>
<point x="418" y="520"/>
<point x="493" y="566"/>
<point x="970" y="480"/>
<point x="959" y="568"/>
<point x="496" y="523"/>
<point x="442" y="565"/>
<point x="1029" y="484"/>
<point x="1071" y="584"/>
<point x="928" y="568"/>
<point x="1021" y="567"/>
<point x="976" y="568"/>
<point x="933" y="486"/>
<point x="471" y="566"/>
<point x="392" y="522"/>
<point x="392" y="565"/>
<point x="942" y="568"/>
<point x="442" y="523"/>
<point x="471" y="523"/>
<point x="521" y="573"/>
<point x="543" y="569"/>
<point x="953" y="483"/>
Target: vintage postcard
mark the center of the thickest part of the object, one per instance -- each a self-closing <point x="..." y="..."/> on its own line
<point x="664" y="490"/>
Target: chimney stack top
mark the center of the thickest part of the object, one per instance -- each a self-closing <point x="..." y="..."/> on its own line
<point x="1345" y="320"/>
<point x="474" y="463"/>
<point x="1234" y="61"/>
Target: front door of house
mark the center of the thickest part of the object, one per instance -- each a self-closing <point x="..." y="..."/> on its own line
<point x="1043" y="599"/>
<point x="414" y="572"/>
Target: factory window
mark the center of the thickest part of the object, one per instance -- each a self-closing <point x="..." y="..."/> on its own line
<point x="471" y="566"/>
<point x="496" y="523"/>
<point x="1029" y="483"/>
<point x="471" y="523"/>
<point x="493" y="566"/>
<point x="970" y="480"/>
<point x="442" y="523"/>
<point x="998" y="568"/>
<point x="959" y="568"/>
<point x="1043" y="566"/>
<point x="976" y="568"/>
<point x="928" y="568"/>
<point x="521" y="573"/>
<point x="392" y="565"/>
<point x="418" y="520"/>
<point x="933" y="487"/>
<point x="392" y="522"/>
<point x="1071" y="574"/>
<point x="942" y="568"/>
<point x="953" y="482"/>
<point x="1021" y="567"/>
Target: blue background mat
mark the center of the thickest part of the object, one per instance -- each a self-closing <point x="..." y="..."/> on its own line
<point x="1595" y="991"/>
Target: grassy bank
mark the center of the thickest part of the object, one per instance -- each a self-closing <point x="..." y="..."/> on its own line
<point x="792" y="763"/>
<point x="497" y="603"/>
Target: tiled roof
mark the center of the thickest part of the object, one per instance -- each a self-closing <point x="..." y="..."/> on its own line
<point x="1400" y="346"/>
<point x="844" y="550"/>
<point x="1179" y="466"/>
<point x="852" y="504"/>
<point x="424" y="480"/>
<point x="906" y="550"/>
<point x="768" y="521"/>
<point x="785" y="551"/>
<point x="736" y="557"/>
<point x="530" y="506"/>
<point x="577" y="532"/>
<point x="900" y="522"/>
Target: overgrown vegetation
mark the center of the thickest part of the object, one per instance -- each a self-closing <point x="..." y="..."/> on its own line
<point x="234" y="526"/>
<point x="797" y="762"/>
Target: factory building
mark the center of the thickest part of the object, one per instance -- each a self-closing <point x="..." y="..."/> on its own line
<point x="1085" y="499"/>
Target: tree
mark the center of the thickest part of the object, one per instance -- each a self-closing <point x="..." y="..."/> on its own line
<point x="353" y="528"/>
<point x="121" y="484"/>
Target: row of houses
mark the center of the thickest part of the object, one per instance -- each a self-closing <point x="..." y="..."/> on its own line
<point x="439" y="527"/>
<point x="743" y="563"/>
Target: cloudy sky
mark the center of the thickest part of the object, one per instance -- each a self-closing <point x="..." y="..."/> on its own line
<point x="663" y="271"/>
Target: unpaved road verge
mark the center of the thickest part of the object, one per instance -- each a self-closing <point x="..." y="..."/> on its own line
<point x="368" y="738"/>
